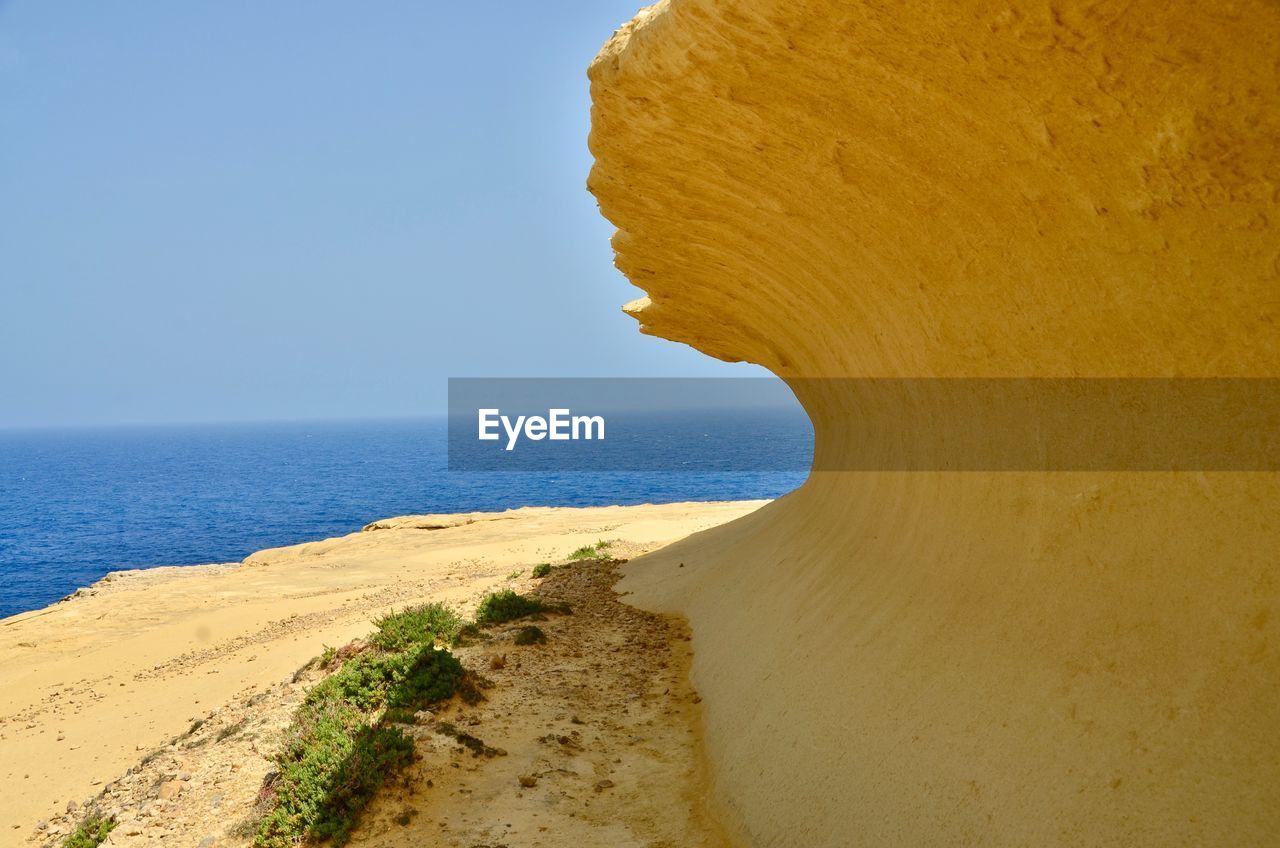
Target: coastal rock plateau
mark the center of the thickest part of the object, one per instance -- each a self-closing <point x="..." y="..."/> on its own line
<point x="1063" y="189"/>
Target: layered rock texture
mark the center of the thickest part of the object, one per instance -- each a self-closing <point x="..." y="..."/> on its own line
<point x="968" y="189"/>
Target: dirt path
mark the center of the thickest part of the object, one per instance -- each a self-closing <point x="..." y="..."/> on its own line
<point x="601" y="721"/>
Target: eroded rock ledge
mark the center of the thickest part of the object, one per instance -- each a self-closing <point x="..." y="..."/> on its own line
<point x="923" y="189"/>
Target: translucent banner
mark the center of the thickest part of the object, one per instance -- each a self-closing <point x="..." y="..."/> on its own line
<point x="717" y="425"/>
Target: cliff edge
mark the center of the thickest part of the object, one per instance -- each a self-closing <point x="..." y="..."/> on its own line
<point x="1071" y="189"/>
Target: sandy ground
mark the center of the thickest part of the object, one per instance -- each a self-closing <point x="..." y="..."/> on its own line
<point x="94" y="684"/>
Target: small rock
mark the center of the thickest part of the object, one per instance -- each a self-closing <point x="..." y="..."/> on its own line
<point x="528" y="780"/>
<point x="72" y="806"/>
<point x="169" y="790"/>
<point x="602" y="785"/>
<point x="207" y="842"/>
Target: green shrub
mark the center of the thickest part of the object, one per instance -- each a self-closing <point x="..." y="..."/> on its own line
<point x="542" y="570"/>
<point x="91" y="833"/>
<point x="530" y="635"/>
<point x="422" y="624"/>
<point x="430" y="676"/>
<point x="332" y="766"/>
<point x="370" y="680"/>
<point x="506" y="605"/>
<point x="399" y="715"/>
<point x="334" y="757"/>
<point x="597" y="551"/>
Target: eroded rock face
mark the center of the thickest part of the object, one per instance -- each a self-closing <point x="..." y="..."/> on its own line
<point x="961" y="189"/>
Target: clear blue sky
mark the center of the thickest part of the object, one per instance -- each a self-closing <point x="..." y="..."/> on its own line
<point x="289" y="210"/>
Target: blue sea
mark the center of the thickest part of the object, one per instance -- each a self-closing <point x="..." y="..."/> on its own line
<point x="75" y="504"/>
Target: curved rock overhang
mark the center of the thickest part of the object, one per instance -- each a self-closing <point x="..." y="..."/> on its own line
<point x="1081" y="188"/>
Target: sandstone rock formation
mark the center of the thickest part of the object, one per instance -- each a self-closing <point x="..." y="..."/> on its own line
<point x="1059" y="188"/>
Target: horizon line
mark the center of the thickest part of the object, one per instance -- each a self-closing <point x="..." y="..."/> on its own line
<point x="6" y="429"/>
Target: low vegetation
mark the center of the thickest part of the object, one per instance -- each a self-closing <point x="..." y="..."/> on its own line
<point x="232" y="729"/>
<point x="600" y="550"/>
<point x="507" y="605"/>
<point x="345" y="741"/>
<point x="530" y="635"/>
<point x="343" y="744"/>
<point x="418" y="625"/>
<point x="417" y="675"/>
<point x="542" y="570"/>
<point x="91" y="833"/>
<point x="335" y="761"/>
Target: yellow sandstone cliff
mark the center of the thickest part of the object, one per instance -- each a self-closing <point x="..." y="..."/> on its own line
<point x="856" y="188"/>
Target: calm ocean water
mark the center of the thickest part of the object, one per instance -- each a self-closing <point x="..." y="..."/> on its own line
<point x="75" y="504"/>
